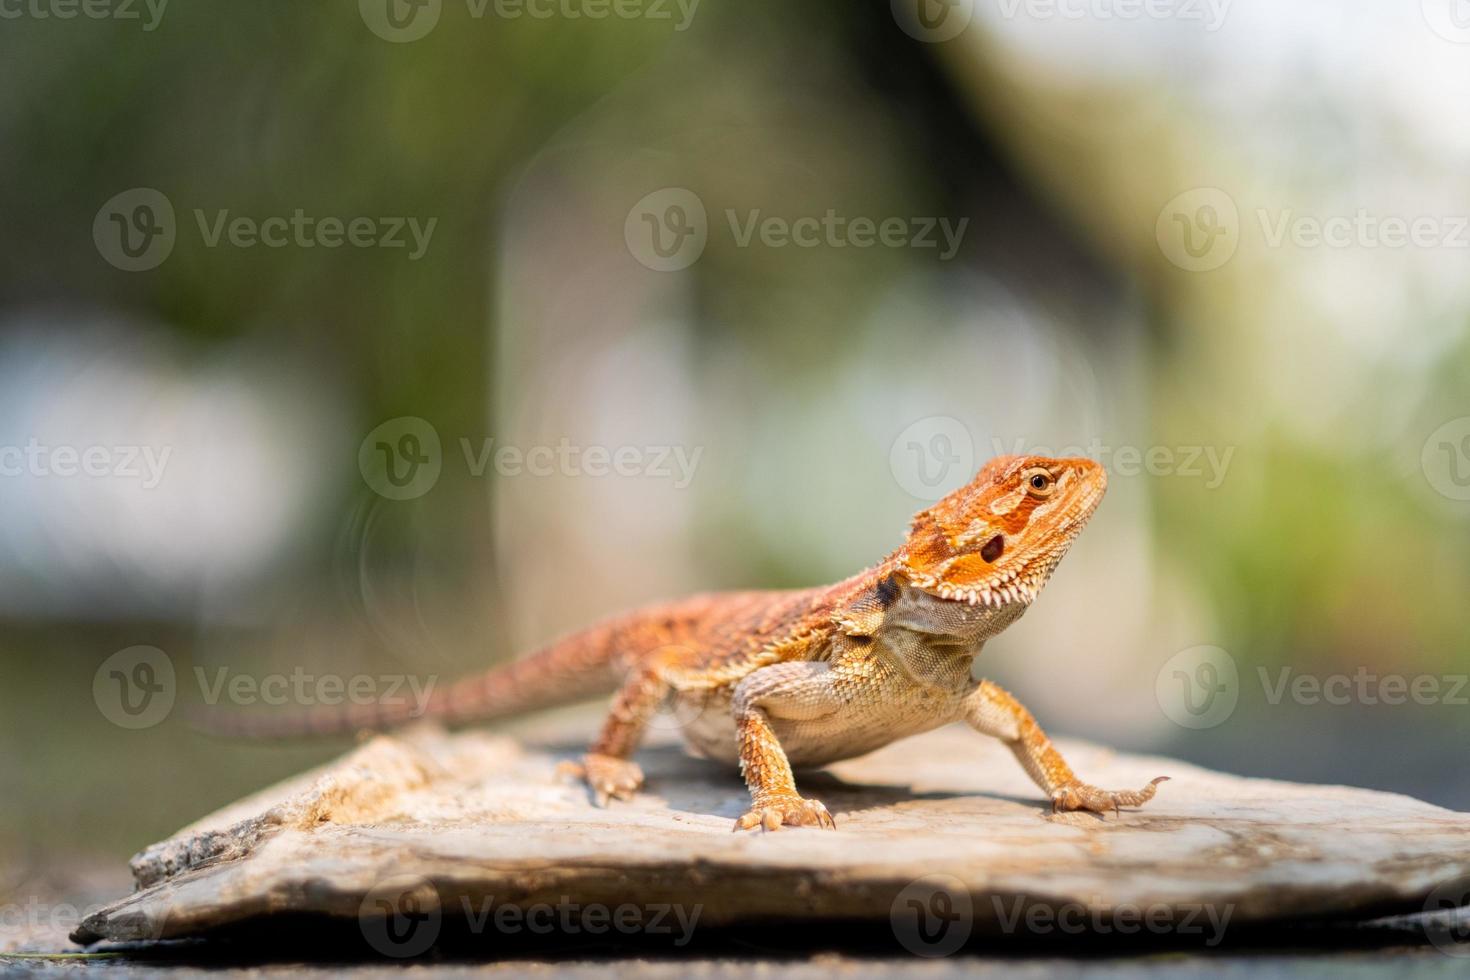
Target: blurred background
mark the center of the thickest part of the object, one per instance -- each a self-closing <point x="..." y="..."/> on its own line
<point x="391" y="340"/>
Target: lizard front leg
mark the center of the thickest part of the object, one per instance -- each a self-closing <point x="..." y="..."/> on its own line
<point x="607" y="767"/>
<point x="992" y="710"/>
<point x="795" y="691"/>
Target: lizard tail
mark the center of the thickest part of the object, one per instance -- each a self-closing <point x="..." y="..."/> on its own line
<point x="575" y="668"/>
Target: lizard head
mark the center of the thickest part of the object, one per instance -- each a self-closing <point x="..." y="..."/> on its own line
<point x="996" y="540"/>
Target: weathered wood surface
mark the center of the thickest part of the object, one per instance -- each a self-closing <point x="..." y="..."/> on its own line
<point x="454" y="824"/>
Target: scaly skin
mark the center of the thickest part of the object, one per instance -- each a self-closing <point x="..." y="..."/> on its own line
<point x="811" y="676"/>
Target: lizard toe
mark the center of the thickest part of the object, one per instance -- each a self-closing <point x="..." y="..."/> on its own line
<point x="1077" y="795"/>
<point x="607" y="777"/>
<point x="792" y="811"/>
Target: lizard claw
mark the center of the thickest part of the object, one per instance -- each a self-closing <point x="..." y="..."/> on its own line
<point x="773" y="813"/>
<point x="1077" y="795"/>
<point x="606" y="776"/>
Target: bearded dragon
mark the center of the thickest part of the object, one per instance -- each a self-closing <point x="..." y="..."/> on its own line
<point x="802" y="678"/>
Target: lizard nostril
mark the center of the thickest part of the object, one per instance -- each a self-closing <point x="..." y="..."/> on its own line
<point x="993" y="548"/>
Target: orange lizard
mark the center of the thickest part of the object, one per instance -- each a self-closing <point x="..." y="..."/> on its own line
<point x="807" y="677"/>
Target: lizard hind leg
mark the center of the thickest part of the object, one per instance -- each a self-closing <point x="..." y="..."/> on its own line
<point x="606" y="768"/>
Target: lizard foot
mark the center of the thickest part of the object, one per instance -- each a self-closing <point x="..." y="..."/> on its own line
<point x="774" y="812"/>
<point x="608" y="777"/>
<point x="1077" y="795"/>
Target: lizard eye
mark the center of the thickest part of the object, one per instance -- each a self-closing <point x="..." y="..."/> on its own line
<point x="1039" y="483"/>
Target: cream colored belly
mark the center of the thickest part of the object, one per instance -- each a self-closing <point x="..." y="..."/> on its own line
<point x="708" y="727"/>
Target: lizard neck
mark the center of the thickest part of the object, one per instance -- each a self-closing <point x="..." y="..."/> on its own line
<point x="934" y="640"/>
<point x="948" y="620"/>
<point x="883" y="599"/>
